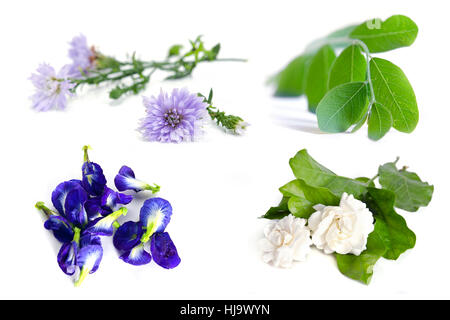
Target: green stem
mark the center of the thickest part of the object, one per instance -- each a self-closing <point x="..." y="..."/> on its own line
<point x="83" y="274"/>
<point x="85" y="150"/>
<point x="41" y="206"/>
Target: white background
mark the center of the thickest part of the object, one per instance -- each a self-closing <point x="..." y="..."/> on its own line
<point x="220" y="185"/>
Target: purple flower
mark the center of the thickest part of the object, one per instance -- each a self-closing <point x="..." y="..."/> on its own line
<point x="67" y="257"/>
<point x="164" y="251"/>
<point x="82" y="56"/>
<point x="52" y="88"/>
<point x="126" y="180"/>
<point x="173" y="118"/>
<point x="137" y="256"/>
<point x="128" y="236"/>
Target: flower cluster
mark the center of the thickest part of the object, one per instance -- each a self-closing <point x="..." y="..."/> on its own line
<point x="180" y="117"/>
<point x="342" y="229"/>
<point x="88" y="209"/>
<point x="91" y="67"/>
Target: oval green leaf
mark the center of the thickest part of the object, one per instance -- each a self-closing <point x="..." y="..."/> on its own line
<point x="380" y="121"/>
<point x="342" y="107"/>
<point x="291" y="80"/>
<point x="317" y="76"/>
<point x="393" y="90"/>
<point x="350" y="66"/>
<point x="396" y="32"/>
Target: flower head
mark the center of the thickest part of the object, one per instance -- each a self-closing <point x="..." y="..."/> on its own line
<point x="343" y="229"/>
<point x="164" y="251"/>
<point x="286" y="240"/>
<point x="241" y="126"/>
<point x="94" y="180"/>
<point x="126" y="180"/>
<point x="173" y="118"/>
<point x="83" y="57"/>
<point x="52" y="89"/>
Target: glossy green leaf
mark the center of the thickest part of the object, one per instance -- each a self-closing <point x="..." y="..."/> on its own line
<point x="291" y="80"/>
<point x="292" y="188"/>
<point x="411" y="193"/>
<point x="393" y="90"/>
<point x="391" y="226"/>
<point x="396" y="32"/>
<point x="350" y="66"/>
<point x="360" y="267"/>
<point x="279" y="211"/>
<point x="342" y="107"/>
<point x="300" y="207"/>
<point x="317" y="76"/>
<point x="314" y="174"/>
<point x="380" y="121"/>
<point x="319" y="195"/>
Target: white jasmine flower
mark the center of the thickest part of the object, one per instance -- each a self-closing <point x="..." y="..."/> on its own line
<point x="342" y="229"/>
<point x="287" y="240"/>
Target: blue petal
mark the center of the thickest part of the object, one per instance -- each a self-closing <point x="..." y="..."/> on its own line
<point x="67" y="257"/>
<point x="164" y="251"/>
<point x="137" y="256"/>
<point x="89" y="257"/>
<point x="111" y="198"/>
<point x="74" y="207"/>
<point x="93" y="179"/>
<point x="94" y="209"/>
<point x="88" y="239"/>
<point x="104" y="226"/>
<point x="128" y="236"/>
<point x="60" y="193"/>
<point x="60" y="227"/>
<point x="155" y="215"/>
<point x="126" y="180"/>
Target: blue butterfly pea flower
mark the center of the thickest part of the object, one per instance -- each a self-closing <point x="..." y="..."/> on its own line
<point x="105" y="226"/>
<point x="137" y="256"/>
<point x="154" y="216"/>
<point x="67" y="257"/>
<point x="74" y="207"/>
<point x="61" y="228"/>
<point x="88" y="260"/>
<point x="126" y="180"/>
<point x="61" y="191"/>
<point x="111" y="199"/>
<point x="94" y="180"/>
<point x="164" y="251"/>
<point x="128" y="236"/>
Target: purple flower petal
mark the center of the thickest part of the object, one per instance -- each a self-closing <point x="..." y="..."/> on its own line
<point x="155" y="215"/>
<point x="88" y="260"/>
<point x="59" y="195"/>
<point x="137" y="256"/>
<point x="94" y="180"/>
<point x="104" y="226"/>
<point x="164" y="251"/>
<point x="128" y="235"/>
<point x="60" y="227"/>
<point x="67" y="257"/>
<point x="112" y="198"/>
<point x="74" y="207"/>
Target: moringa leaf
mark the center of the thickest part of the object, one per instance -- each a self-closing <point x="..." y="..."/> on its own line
<point x="300" y="207"/>
<point x="391" y="226"/>
<point x="291" y="80"/>
<point x="350" y="66"/>
<point x="393" y="90"/>
<point x="360" y="267"/>
<point x="380" y="121"/>
<point x="396" y="32"/>
<point x="317" y="76"/>
<point x="279" y="211"/>
<point x="411" y="193"/>
<point x="342" y="107"/>
<point x="314" y="174"/>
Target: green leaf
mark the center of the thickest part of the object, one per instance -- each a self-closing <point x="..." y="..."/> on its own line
<point x="360" y="267"/>
<point x="411" y="193"/>
<point x="342" y="107"/>
<point x="175" y="50"/>
<point x="391" y="226"/>
<point x="279" y="211"/>
<point x="350" y="66"/>
<point x="314" y="174"/>
<point x="380" y="121"/>
<point x="319" y="195"/>
<point x="292" y="189"/>
<point x="291" y="80"/>
<point x="393" y="90"/>
<point x="396" y="32"/>
<point x="317" y="76"/>
<point x="300" y="207"/>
